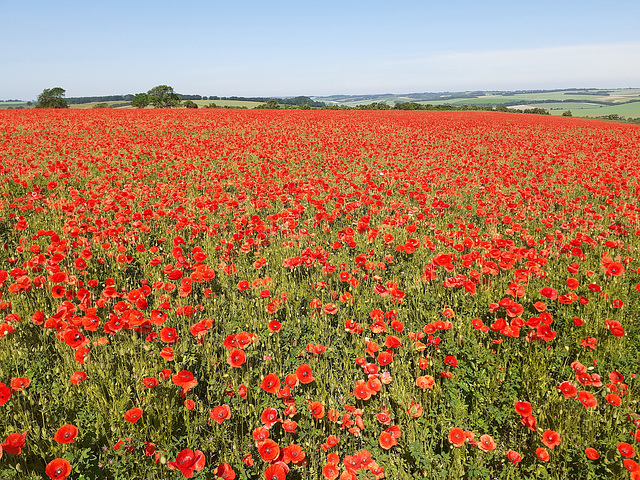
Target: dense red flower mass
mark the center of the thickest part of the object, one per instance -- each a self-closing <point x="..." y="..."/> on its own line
<point x="323" y="282"/>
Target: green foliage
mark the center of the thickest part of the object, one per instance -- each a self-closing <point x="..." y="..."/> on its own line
<point x="163" y="96"/>
<point x="140" y="100"/>
<point x="52" y="98"/>
<point x="101" y="105"/>
<point x="270" y="105"/>
<point x="190" y="104"/>
<point x="567" y="113"/>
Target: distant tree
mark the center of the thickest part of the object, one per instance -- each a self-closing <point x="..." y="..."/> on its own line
<point x="52" y="98"/>
<point x="140" y="100"/>
<point x="29" y="104"/>
<point x="101" y="105"/>
<point x="567" y="114"/>
<point x="163" y="96"/>
<point x="270" y="105"/>
<point x="211" y="105"/>
<point x="190" y="104"/>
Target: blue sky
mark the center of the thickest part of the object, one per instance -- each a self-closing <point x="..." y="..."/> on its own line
<point x="281" y="47"/>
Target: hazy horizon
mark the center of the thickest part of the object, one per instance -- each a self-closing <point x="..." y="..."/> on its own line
<point x="316" y="49"/>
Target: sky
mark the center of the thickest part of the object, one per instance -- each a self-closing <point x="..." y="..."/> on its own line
<point x="287" y="48"/>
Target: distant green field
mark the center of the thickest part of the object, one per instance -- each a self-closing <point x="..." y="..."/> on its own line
<point x="628" y="110"/>
<point x="6" y="105"/>
<point x="227" y="103"/>
<point x="93" y="104"/>
<point x="487" y="100"/>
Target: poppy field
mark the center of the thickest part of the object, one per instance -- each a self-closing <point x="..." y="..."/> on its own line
<point x="318" y="295"/>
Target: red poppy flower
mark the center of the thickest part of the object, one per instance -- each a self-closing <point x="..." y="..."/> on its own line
<point x="158" y="317"/>
<point x="169" y="335"/>
<point x="614" y="268"/>
<point x="58" y="469"/>
<point x="289" y="426"/>
<point x="330" y="471"/>
<point x="269" y="417"/>
<point x="514" y="457"/>
<point x="133" y="415"/>
<point x="13" y="443"/>
<point x="591" y="453"/>
<point x="385" y="358"/>
<point x="616" y="377"/>
<point x="224" y="471"/>
<point x="587" y="399"/>
<point x="548" y="292"/>
<point x="66" y="434"/>
<point x="626" y="450"/>
<point x="187" y="461"/>
<point x="150" y="382"/>
<point x="392" y="342"/>
<point x="5" y="394"/>
<point x="236" y="358"/>
<point x="167" y="354"/>
<point x="542" y="454"/>
<point x="77" y="377"/>
<point x="270" y="383"/>
<point x="387" y="440"/>
<point x="457" y="437"/>
<point x="295" y="454"/>
<point x="425" y="382"/>
<point x="304" y="374"/>
<point x="451" y="361"/>
<point x="614" y="399"/>
<point x="19" y="384"/>
<point x="220" y="414"/>
<point x="362" y="391"/>
<point x="486" y="443"/>
<point x="184" y="379"/>
<point x="276" y="472"/>
<point x="260" y="434"/>
<point x="523" y="408"/>
<point x="631" y="465"/>
<point x="317" y="410"/>
<point x="58" y="291"/>
<point x="551" y="439"/>
<point x="243" y="391"/>
<point x="74" y="338"/>
<point x="529" y="421"/>
<point x="568" y="389"/>
<point x="269" y="450"/>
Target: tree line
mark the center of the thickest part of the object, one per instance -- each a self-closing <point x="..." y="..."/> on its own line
<point x="163" y="96"/>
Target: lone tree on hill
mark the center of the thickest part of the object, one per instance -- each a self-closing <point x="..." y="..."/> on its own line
<point x="163" y="96"/>
<point x="52" y="98"/>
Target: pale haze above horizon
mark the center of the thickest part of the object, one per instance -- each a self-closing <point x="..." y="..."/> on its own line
<point x="286" y="48"/>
